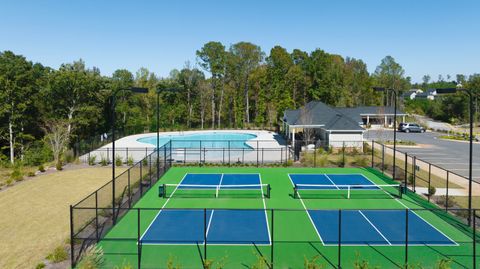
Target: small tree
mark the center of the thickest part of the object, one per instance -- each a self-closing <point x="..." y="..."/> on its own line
<point x="57" y="134"/>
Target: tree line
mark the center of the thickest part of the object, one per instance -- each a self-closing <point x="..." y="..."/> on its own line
<point x="239" y="86"/>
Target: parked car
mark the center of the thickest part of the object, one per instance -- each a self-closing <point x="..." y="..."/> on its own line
<point x="410" y="127"/>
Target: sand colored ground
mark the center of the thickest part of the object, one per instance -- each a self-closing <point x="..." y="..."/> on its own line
<point x="34" y="215"/>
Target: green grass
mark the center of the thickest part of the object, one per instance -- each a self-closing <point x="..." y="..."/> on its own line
<point x="295" y="239"/>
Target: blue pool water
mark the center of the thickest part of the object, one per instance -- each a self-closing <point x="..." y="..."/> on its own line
<point x="203" y="140"/>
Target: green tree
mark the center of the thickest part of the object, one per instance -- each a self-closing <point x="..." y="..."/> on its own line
<point x="390" y="74"/>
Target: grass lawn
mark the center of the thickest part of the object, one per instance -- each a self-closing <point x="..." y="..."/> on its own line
<point x="34" y="215"/>
<point x="295" y="238"/>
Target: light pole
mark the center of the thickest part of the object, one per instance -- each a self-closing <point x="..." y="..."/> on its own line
<point x="380" y="89"/>
<point x="470" y="95"/>
<point x="114" y="95"/>
<point x="159" y="90"/>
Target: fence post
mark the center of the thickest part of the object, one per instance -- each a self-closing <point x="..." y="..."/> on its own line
<point x="141" y="179"/>
<point x="383" y="158"/>
<point x="200" y="153"/>
<point x="257" y="153"/>
<point x="429" y="179"/>
<point x="164" y="158"/>
<point x="129" y="190"/>
<point x="204" y="236"/>
<point x="414" y="164"/>
<point x="139" y="243"/>
<point x="72" y="245"/>
<point x="228" y="152"/>
<point x="263" y="153"/>
<point x="446" y="194"/>
<point x="406" y="237"/>
<point x="170" y="159"/>
<point x="339" y="238"/>
<point x="314" y="157"/>
<point x="373" y="153"/>
<point x="150" y="169"/>
<point x="126" y="153"/>
<point x="406" y="173"/>
<point x="287" y="157"/>
<point x="97" y="237"/>
<point x="184" y="155"/>
<point x="474" y="240"/>
<point x="272" y="239"/>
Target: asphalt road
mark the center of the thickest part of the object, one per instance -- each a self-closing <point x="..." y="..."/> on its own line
<point x="450" y="155"/>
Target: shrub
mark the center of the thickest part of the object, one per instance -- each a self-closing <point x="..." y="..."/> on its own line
<point x="361" y="161"/>
<point x="341" y="161"/>
<point x="93" y="258"/>
<point x="9" y="181"/>
<point x="40" y="265"/>
<point x="69" y="156"/>
<point x="130" y="161"/>
<point x="41" y="168"/>
<point x="443" y="264"/>
<point x="103" y="161"/>
<point x="322" y="161"/>
<point x="125" y="265"/>
<point x="118" y="160"/>
<point x="446" y="202"/>
<point x="59" y="254"/>
<point x="59" y="165"/>
<point x="431" y="191"/>
<point x="144" y="162"/>
<point x="92" y="159"/>
<point x="37" y="152"/>
<point x="172" y="263"/>
<point x="31" y="174"/>
<point x="17" y="174"/>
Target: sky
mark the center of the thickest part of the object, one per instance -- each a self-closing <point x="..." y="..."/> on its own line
<point x="435" y="37"/>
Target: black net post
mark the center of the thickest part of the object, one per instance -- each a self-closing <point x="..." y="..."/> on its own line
<point x="406" y="173"/>
<point x="406" y="237"/>
<point x="72" y="245"/>
<point x="139" y="242"/>
<point x="272" y="240"/>
<point x="339" y="239"/>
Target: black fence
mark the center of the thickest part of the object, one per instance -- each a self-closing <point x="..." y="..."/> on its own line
<point x="96" y="214"/>
<point x="113" y="200"/>
<point x="336" y="250"/>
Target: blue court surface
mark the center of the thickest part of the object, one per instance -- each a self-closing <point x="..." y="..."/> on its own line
<point x="222" y="227"/>
<point x="228" y="180"/>
<point x="331" y="181"/>
<point x="376" y="227"/>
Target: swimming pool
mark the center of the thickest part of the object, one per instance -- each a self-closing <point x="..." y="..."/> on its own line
<point x="215" y="140"/>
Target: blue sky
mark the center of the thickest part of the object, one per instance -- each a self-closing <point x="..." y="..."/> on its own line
<point x="425" y="36"/>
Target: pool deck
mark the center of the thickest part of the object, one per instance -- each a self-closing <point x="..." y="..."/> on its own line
<point x="131" y="147"/>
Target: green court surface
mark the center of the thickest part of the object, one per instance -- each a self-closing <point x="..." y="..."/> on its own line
<point x="291" y="228"/>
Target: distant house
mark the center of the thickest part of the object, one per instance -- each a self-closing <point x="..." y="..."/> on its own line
<point x="428" y="94"/>
<point x="411" y="94"/>
<point x="334" y="126"/>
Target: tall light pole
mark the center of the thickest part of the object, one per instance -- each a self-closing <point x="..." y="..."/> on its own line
<point x="114" y="95"/>
<point x="159" y="90"/>
<point x="380" y="89"/>
<point x="470" y="95"/>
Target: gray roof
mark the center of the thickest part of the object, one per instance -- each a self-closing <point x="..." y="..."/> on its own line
<point x="318" y="113"/>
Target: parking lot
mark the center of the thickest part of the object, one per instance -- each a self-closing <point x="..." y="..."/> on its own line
<point x="451" y="155"/>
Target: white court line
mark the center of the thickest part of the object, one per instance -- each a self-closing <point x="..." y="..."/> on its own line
<point x="308" y="213"/>
<point x="209" y="222"/>
<point x="375" y="227"/>
<point x="165" y="204"/>
<point x="331" y="181"/>
<point x="455" y="243"/>
<point x="265" y="210"/>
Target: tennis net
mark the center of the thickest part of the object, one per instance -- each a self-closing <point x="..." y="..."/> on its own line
<point x="347" y="191"/>
<point x="215" y="191"/>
